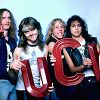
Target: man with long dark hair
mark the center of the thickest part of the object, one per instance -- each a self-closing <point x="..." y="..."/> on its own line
<point x="7" y="46"/>
<point x="77" y="29"/>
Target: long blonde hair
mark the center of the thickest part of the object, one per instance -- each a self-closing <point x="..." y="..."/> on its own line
<point x="51" y="28"/>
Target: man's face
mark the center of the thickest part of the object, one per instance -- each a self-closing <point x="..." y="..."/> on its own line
<point x="76" y="29"/>
<point x="6" y="20"/>
<point x="58" y="30"/>
<point x="31" y="36"/>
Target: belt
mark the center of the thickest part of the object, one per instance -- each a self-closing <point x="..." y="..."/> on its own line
<point x="90" y="79"/>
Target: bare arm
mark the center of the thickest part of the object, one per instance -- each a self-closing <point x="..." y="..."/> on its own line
<point x="69" y="61"/>
<point x="16" y="64"/>
<point x="50" y="47"/>
<point x="46" y="47"/>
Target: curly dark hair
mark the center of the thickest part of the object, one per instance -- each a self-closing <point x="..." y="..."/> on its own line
<point x="82" y="22"/>
<point x="33" y="23"/>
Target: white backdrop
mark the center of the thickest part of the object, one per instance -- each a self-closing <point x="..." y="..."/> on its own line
<point x="45" y="10"/>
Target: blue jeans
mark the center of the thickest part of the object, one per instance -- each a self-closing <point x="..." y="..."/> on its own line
<point x="7" y="90"/>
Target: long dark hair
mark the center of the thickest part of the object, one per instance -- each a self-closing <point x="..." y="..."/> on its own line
<point x="13" y="29"/>
<point x="33" y="23"/>
<point x="82" y="22"/>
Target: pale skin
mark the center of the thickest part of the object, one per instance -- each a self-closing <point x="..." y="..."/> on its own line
<point x="76" y="30"/>
<point x="31" y="36"/>
<point x="6" y="22"/>
<point x="57" y="33"/>
<point x="76" y="34"/>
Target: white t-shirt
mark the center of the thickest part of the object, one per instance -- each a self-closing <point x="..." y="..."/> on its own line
<point x="88" y="72"/>
<point x="32" y="54"/>
<point x="9" y="56"/>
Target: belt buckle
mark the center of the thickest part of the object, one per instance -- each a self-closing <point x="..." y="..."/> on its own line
<point x="90" y="80"/>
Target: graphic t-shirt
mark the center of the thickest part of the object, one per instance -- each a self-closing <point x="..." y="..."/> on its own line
<point x="32" y="54"/>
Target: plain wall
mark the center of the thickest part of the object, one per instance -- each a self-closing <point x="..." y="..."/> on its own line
<point x="45" y="10"/>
